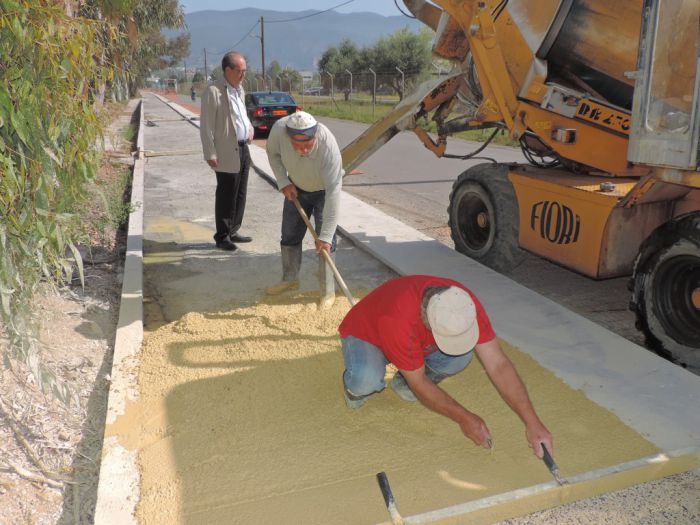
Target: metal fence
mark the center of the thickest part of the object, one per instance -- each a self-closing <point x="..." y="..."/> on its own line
<point x="363" y="86"/>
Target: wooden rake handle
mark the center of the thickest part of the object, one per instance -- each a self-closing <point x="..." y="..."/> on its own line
<point x="325" y="254"/>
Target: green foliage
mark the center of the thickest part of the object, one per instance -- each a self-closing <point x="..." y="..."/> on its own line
<point x="408" y="51"/>
<point x="405" y="50"/>
<point x="118" y="208"/>
<point x="356" y="111"/>
<point x="338" y="61"/>
<point x="146" y="48"/>
<point x="273" y="69"/>
<point x="47" y="154"/>
<point x="54" y="67"/>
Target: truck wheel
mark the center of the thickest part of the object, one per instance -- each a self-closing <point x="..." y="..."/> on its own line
<point x="483" y="217"/>
<point x="666" y="289"/>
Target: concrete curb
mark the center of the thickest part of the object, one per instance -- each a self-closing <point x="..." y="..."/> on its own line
<point x="118" y="485"/>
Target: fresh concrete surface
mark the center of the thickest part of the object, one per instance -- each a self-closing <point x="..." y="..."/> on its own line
<point x="657" y="398"/>
<point x="653" y="396"/>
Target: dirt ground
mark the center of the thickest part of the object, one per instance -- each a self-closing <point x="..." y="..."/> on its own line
<point x="50" y="453"/>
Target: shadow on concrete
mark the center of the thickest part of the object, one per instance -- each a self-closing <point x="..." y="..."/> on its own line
<point x="274" y="443"/>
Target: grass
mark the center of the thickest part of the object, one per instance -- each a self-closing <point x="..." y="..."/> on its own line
<point x="362" y="110"/>
<point x="129" y="133"/>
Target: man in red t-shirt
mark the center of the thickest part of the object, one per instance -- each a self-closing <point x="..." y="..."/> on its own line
<point x="427" y="327"/>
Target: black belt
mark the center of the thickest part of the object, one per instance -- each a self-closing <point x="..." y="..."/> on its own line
<point x="242" y="142"/>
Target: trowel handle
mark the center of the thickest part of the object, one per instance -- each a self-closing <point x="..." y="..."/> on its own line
<point x="548" y="459"/>
<point x="383" y="481"/>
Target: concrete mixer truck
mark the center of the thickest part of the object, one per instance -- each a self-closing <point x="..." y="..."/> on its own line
<point x="603" y="98"/>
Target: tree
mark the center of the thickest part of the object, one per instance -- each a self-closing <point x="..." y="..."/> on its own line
<point x="139" y="46"/>
<point x="152" y="50"/>
<point x="408" y="51"/>
<point x="338" y="61"/>
<point x="289" y="78"/>
<point x="57" y="60"/>
<point x="273" y="71"/>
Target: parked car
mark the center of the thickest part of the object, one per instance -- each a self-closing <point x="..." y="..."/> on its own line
<point x="313" y="91"/>
<point x="267" y="107"/>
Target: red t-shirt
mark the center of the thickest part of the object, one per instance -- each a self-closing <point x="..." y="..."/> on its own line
<point x="389" y="318"/>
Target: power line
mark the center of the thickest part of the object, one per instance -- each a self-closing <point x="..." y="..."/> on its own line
<point x="312" y="14"/>
<point x="246" y="35"/>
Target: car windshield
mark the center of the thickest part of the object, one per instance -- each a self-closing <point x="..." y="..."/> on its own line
<point x="273" y="98"/>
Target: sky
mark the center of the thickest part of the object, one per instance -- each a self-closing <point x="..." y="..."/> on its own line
<point x="382" y="7"/>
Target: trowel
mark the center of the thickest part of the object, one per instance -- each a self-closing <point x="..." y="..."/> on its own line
<point x="383" y="481"/>
<point x="552" y="466"/>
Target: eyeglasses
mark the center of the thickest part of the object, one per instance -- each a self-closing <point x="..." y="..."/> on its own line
<point x="238" y="69"/>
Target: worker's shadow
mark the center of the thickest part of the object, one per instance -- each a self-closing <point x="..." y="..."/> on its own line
<point x="256" y="444"/>
<point x="235" y="352"/>
<point x="186" y="277"/>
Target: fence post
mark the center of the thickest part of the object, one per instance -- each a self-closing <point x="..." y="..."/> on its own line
<point x="349" y="73"/>
<point x="331" y="75"/>
<point x="403" y="84"/>
<point x="374" y="90"/>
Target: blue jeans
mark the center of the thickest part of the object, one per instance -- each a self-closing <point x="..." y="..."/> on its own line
<point x="365" y="365"/>
<point x="293" y="226"/>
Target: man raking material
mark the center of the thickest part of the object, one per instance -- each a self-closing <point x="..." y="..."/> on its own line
<point x="305" y="159"/>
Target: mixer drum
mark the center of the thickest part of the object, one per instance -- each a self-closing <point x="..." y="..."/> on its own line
<point x="591" y="44"/>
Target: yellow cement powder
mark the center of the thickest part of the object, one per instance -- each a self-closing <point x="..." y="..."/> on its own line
<point x="242" y="420"/>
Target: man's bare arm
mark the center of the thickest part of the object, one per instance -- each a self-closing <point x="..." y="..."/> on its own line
<point x="505" y="378"/>
<point x="437" y="400"/>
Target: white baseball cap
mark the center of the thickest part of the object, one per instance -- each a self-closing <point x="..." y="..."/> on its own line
<point x="301" y="123"/>
<point x="452" y="319"/>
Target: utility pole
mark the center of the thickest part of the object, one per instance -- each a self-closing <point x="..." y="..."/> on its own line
<point x="206" y="71"/>
<point x="262" y="48"/>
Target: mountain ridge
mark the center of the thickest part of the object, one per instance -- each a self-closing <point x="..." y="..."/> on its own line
<point x="293" y="39"/>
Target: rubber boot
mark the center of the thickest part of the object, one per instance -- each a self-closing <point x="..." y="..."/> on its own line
<point x="291" y="262"/>
<point x="326" y="281"/>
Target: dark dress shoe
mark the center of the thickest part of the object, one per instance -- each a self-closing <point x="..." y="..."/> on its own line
<point x="226" y="245"/>
<point x="240" y="238"/>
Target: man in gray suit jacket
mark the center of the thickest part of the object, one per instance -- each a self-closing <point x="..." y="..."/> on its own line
<point x="225" y="131"/>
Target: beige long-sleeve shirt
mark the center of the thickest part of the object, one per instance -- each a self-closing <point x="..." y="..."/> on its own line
<point x="322" y="169"/>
